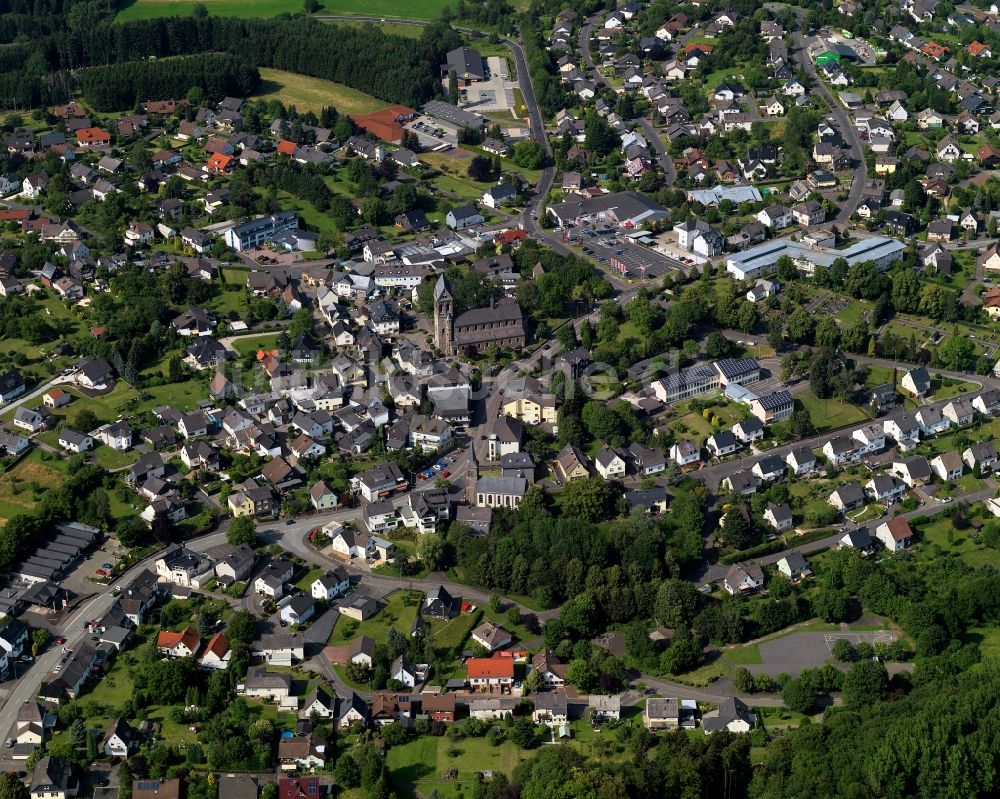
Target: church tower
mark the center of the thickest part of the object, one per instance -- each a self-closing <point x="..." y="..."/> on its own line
<point x="444" y="306"/>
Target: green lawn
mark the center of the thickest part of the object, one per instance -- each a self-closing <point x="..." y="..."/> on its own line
<point x="403" y="9"/>
<point x="420" y="762"/>
<point x="306" y="581"/>
<point x="743" y="655"/>
<point x="247" y="344"/>
<point x="150" y="9"/>
<point x="398" y="613"/>
<point x="827" y="414"/>
<point x="989" y="641"/>
<point x="125" y="400"/>
<point x="944" y="388"/>
<point x="21" y="488"/>
<point x="392" y="28"/>
<point x="852" y="313"/>
<point x="451" y="635"/>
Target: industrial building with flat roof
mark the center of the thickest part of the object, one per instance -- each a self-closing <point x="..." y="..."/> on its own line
<point x="453" y="115"/>
<point x="882" y="252"/>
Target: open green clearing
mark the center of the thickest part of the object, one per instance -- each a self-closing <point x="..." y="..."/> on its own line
<point x="421" y="761"/>
<point x="827" y="414"/>
<point x="397" y="614"/>
<point x="150" y="9"/>
<point x="399" y="9"/>
<point x="21" y="488"/>
<point x="312" y="94"/>
<point x="247" y="344"/>
<point x="392" y="28"/>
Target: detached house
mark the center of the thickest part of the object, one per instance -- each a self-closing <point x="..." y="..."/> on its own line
<point x="743" y="578"/>
<point x="895" y="534"/>
<point x="981" y="457"/>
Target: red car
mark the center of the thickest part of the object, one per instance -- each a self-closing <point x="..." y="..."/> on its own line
<point x="60" y="640"/>
<point x="446" y="473"/>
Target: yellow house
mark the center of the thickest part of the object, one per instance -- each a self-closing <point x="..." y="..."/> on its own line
<point x="240" y="505"/>
<point x="532" y="410"/>
<point x="571" y="464"/>
<point x="885" y="164"/>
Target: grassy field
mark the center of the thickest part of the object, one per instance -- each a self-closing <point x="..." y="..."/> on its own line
<point x="312" y="94"/>
<point x="827" y="414"/>
<point x="246" y="344"/>
<point x="419" y="763"/>
<point x="17" y="487"/>
<point x="408" y="9"/>
<point x="398" y="613"/>
<point x="392" y="28"/>
<point x="150" y="9"/>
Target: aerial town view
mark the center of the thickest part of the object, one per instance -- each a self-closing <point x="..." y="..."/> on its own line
<point x="516" y="399"/>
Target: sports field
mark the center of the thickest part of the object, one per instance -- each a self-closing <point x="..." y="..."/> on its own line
<point x="398" y="9"/>
<point x="312" y="94"/>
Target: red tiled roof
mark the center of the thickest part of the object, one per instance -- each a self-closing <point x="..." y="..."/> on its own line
<point x="286" y="147"/>
<point x="219" y="162"/>
<point x="167" y="639"/>
<point x="899" y="529"/>
<point x="218" y="645"/>
<point x="490" y="667"/>
<point x="385" y="123"/>
<point x="91" y="135"/>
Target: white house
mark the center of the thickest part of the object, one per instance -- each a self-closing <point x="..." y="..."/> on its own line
<point x="331" y="584"/>
<point x="794" y="566"/>
<point x="895" y="534"/>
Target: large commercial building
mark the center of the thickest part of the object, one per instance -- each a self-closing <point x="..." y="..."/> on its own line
<point x="628" y="209"/>
<point x="759" y="261"/>
<point x="466" y="63"/>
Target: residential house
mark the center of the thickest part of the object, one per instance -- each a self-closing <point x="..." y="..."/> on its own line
<point x="981" y="457"/>
<point x="885" y="488"/>
<point x="778" y="516"/>
<point x="895" y="534"/>
<point x="847" y="497"/>
<point x="743" y="578"/>
<point x="794" y="566"/>
<point x="915" y="471"/>
<point x="948" y="466"/>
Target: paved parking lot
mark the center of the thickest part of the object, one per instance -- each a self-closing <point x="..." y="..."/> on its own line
<point x="790" y="654"/>
<point x="493" y="95"/>
<point x="618" y="253"/>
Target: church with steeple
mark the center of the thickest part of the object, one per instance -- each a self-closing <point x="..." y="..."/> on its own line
<point x="501" y="324"/>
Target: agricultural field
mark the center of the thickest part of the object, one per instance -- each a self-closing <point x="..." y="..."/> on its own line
<point x="312" y="94"/>
<point x="408" y="9"/>
<point x="150" y="9"/>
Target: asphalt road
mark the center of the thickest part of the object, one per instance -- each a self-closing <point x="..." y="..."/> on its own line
<point x="666" y="162"/>
<point x="843" y="124"/>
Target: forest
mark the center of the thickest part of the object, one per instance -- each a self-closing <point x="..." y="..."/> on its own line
<point x="124" y="85"/>
<point x="393" y="68"/>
